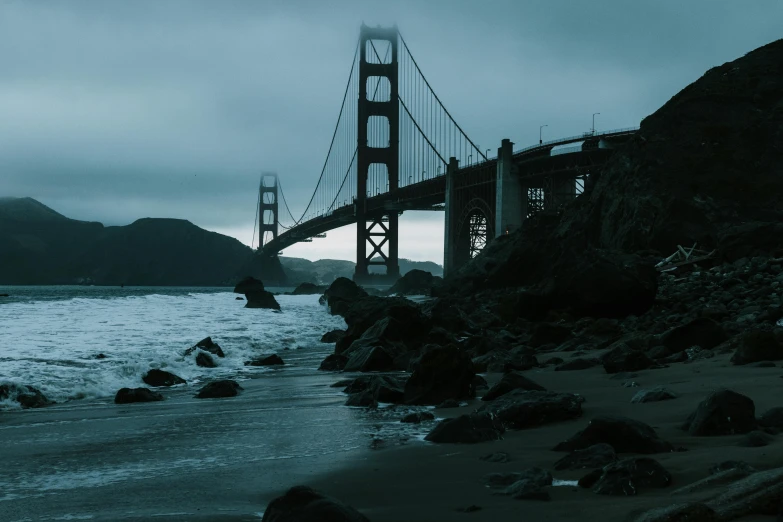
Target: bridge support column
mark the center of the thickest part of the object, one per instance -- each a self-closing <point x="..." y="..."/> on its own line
<point x="450" y="227"/>
<point x="267" y="208"/>
<point x="510" y="195"/>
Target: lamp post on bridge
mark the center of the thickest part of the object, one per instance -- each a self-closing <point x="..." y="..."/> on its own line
<point x="594" y="115"/>
<point x="540" y="134"/>
<point x="487" y="154"/>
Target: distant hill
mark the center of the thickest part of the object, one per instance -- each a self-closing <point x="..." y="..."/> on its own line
<point x="39" y="246"/>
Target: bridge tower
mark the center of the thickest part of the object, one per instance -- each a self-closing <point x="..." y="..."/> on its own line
<point x="377" y="119"/>
<point x="267" y="207"/>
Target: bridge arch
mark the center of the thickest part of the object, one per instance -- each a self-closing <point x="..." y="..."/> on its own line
<point x="475" y="229"/>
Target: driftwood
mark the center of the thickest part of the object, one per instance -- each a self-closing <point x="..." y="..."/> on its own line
<point x="689" y="262"/>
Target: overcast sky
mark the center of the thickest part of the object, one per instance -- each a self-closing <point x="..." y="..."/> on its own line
<point x="116" y="110"/>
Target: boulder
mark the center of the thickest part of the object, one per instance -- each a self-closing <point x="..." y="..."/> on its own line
<point x="499" y="360"/>
<point x="623" y="358"/>
<point x="27" y="396"/>
<point x="308" y="289"/>
<point x="758" y="345"/>
<point x="373" y="355"/>
<point x="341" y="293"/>
<point x="205" y="360"/>
<point x="772" y="418"/>
<point x="129" y="395"/>
<point x="702" y="332"/>
<point x="521" y="409"/>
<point x="362" y="399"/>
<point x="623" y="434"/>
<point x="548" y="333"/>
<point x="690" y="512"/>
<point x="255" y="294"/>
<point x="654" y="395"/>
<point x="304" y="504"/>
<point x="332" y="336"/>
<point x="333" y="363"/>
<point x="208" y="346"/>
<point x="511" y="381"/>
<point x="268" y="360"/>
<point x="382" y="388"/>
<point x="467" y="429"/>
<point x="525" y="485"/>
<point x="723" y="412"/>
<point x="415" y="282"/>
<point x="595" y="456"/>
<point x="442" y="372"/>
<point x="160" y="378"/>
<point x="219" y="389"/>
<point x="755" y="439"/>
<point x="392" y="319"/>
<point x="627" y="476"/>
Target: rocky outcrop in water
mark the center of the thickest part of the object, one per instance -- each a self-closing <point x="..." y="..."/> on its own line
<point x="25" y="395"/>
<point x="415" y="282"/>
<point x="219" y="389"/>
<point x="130" y="395"/>
<point x="159" y="378"/>
<point x="255" y="294"/>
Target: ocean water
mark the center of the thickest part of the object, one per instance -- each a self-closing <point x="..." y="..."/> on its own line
<point x="62" y="462"/>
<point x="51" y="336"/>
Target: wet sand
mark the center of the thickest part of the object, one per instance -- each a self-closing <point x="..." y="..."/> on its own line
<point x="428" y="483"/>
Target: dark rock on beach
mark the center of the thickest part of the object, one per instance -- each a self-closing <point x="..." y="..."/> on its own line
<point x="758" y="345"/>
<point x="304" y="504"/>
<point x="219" y="389"/>
<point x="511" y="381"/>
<point x="332" y="336"/>
<point x="415" y="282"/>
<point x="623" y="358"/>
<point x="159" y="378"/>
<point x="627" y="476"/>
<point x="591" y="457"/>
<point x="442" y="372"/>
<point x="255" y="293"/>
<point x="623" y="434"/>
<point x="268" y="360"/>
<point x="467" y="429"/>
<point x="129" y="395"/>
<point x="27" y="396"/>
<point x="723" y="412"/>
<point x="208" y="345"/>
<point x="333" y="363"/>
<point x="418" y="417"/>
<point x="655" y="395"/>
<point x="521" y="409"/>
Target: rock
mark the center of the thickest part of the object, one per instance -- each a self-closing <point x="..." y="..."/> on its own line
<point x="415" y="282"/>
<point x="219" y="389"/>
<point x="205" y="360"/>
<point x="702" y="332"/>
<point x="623" y="434"/>
<point x="511" y="381"/>
<point x="25" y="395"/>
<point x="623" y="358"/>
<point x="100" y="356"/>
<point x="529" y="484"/>
<point x="239" y="299"/>
<point x="595" y="456"/>
<point x="381" y="388"/>
<point x="256" y="295"/>
<point x="690" y="512"/>
<point x="501" y="360"/>
<point x="758" y="345"/>
<point x="341" y="293"/>
<point x="716" y="479"/>
<point x="654" y="395"/>
<point x="383" y="320"/>
<point x="249" y="284"/>
<point x="308" y="289"/>
<point x="269" y="360"/>
<point x="723" y="412"/>
<point x="418" y="417"/>
<point x="333" y="336"/>
<point x="772" y="418"/>
<point x="499" y="457"/>
<point x="363" y="399"/>
<point x="479" y="383"/>
<point x="757" y="494"/>
<point x="129" y="395"/>
<point x="547" y="333"/>
<point x="440" y="373"/>
<point x="577" y="364"/>
<point x="342" y="383"/>
<point x="448" y="404"/>
<point x="553" y="361"/>
<point x="372" y="355"/>
<point x="755" y="439"/>
<point x="467" y="429"/>
<point x="521" y="409"/>
<point x="627" y="476"/>
<point x="304" y="504"/>
<point x="333" y="363"/>
<point x="731" y="464"/>
<point x="158" y="378"/>
<point x="208" y="346"/>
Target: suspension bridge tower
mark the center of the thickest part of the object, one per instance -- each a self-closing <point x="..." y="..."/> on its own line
<point x="267" y="208"/>
<point x="378" y="146"/>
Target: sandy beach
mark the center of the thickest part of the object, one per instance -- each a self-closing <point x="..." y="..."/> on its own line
<point x="430" y="482"/>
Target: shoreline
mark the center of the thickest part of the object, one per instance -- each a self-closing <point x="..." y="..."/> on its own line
<point x="430" y="482"/>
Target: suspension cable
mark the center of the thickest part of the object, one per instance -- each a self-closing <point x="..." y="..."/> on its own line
<point x="255" y="221"/>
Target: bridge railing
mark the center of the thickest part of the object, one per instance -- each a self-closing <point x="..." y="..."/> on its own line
<point x="585" y="136"/>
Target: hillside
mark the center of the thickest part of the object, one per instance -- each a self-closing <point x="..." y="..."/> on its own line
<point x="39" y="246"/>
